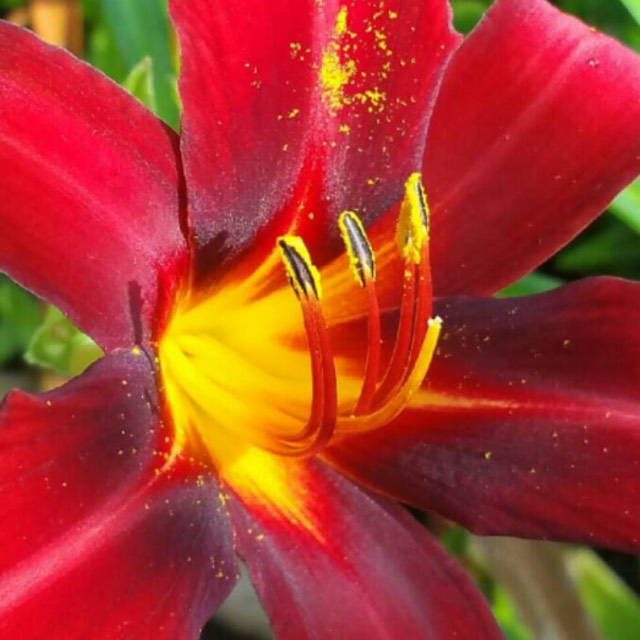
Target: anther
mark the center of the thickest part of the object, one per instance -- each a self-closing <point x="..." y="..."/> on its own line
<point x="362" y="261"/>
<point x="413" y="222"/>
<point x="303" y="276"/>
<point x="361" y="257"/>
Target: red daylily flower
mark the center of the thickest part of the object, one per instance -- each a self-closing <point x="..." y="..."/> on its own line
<point x="230" y="417"/>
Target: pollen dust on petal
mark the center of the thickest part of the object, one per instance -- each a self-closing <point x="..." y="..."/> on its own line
<point x="335" y="73"/>
<point x="339" y="68"/>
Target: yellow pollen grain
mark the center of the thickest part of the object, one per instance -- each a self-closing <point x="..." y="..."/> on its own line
<point x="341" y="22"/>
<point x="334" y="74"/>
<point x="375" y="98"/>
<point x="381" y="38"/>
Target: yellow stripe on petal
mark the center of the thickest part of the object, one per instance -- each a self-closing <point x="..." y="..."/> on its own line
<point x="274" y="487"/>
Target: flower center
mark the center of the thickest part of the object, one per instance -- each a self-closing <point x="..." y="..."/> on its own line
<point x="253" y="365"/>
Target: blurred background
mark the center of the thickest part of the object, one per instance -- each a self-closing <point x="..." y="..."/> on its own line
<point x="536" y="590"/>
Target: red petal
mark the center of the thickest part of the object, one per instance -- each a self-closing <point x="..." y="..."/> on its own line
<point x="246" y="83"/>
<point x="89" y="206"/>
<point x="96" y="541"/>
<point x="330" y="560"/>
<point x="258" y="121"/>
<point x="529" y="422"/>
<point x="536" y="128"/>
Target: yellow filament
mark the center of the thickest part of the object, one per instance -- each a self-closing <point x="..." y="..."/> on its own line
<point x="397" y="402"/>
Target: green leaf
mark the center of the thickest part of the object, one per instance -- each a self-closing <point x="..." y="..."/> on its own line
<point x="20" y="315"/>
<point x="633" y="7"/>
<point x="58" y="345"/>
<point x="505" y="612"/>
<point x="141" y="29"/>
<point x="455" y="540"/>
<point x="103" y="53"/>
<point x="467" y="13"/>
<point x="533" y="283"/>
<point x="139" y="83"/>
<point x="8" y="5"/>
<point x="614" y="607"/>
<point x="626" y="207"/>
<point x="609" y="246"/>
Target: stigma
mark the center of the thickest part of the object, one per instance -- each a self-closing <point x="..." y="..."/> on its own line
<point x="242" y="369"/>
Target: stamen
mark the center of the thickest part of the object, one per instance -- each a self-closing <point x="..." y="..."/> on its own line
<point x="320" y="426"/>
<point x="362" y="261"/>
<point x="424" y="304"/>
<point x="398" y="401"/>
<point x="412" y="238"/>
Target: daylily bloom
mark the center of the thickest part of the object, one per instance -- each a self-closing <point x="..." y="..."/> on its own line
<point x="293" y="302"/>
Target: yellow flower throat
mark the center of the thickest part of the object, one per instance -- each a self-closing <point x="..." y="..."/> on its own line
<point x="243" y="370"/>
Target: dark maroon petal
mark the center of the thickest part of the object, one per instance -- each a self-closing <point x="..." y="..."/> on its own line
<point x="329" y="560"/>
<point x="89" y="207"/>
<point x="102" y="537"/>
<point x="536" y="128"/>
<point x="529" y="421"/>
